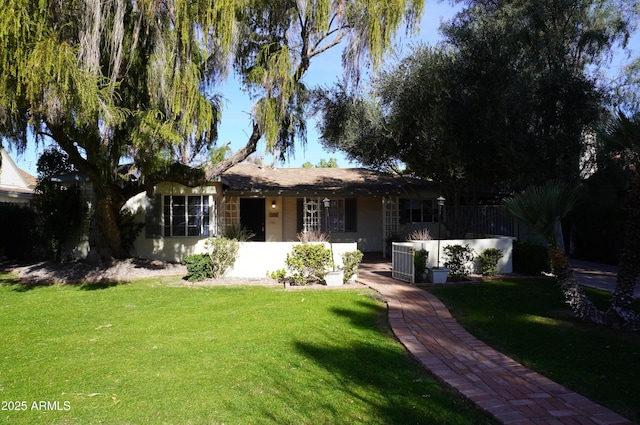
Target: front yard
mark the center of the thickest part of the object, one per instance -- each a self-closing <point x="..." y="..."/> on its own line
<point x="155" y="351"/>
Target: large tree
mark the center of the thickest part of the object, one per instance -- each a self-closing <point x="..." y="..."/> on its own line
<point x="503" y="103"/>
<point x="135" y="80"/>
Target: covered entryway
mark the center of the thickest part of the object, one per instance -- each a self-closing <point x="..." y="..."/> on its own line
<point x="252" y="217"/>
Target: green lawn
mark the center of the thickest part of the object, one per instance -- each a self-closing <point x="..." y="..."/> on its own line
<point x="155" y="351"/>
<point x="528" y="320"/>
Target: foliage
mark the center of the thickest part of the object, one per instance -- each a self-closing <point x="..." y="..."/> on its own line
<point x="420" y="258"/>
<point x="458" y="261"/>
<point x="220" y="257"/>
<point x="543" y="207"/>
<point x="308" y="263"/>
<point x="198" y="267"/>
<point x="223" y="253"/>
<point x="278" y="275"/>
<point x="113" y="80"/>
<point x="530" y="258"/>
<point x="350" y="262"/>
<point x="420" y="235"/>
<point x="129" y="229"/>
<point x="239" y="233"/>
<point x="488" y="260"/>
<point x="496" y="105"/>
<point x="313" y="236"/>
<point x="331" y="163"/>
<point x="16" y="226"/>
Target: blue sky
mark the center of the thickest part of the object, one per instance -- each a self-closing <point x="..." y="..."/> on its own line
<point x="324" y="71"/>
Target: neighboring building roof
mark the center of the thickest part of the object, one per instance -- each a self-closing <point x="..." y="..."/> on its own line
<point x="14" y="183"/>
<point x="246" y="178"/>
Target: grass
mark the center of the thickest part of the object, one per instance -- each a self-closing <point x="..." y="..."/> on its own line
<point x="155" y="351"/>
<point x="528" y="320"/>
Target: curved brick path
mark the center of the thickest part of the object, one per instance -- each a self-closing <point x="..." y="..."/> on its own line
<point x="507" y="390"/>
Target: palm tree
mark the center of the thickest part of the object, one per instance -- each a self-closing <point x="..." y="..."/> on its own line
<point x="623" y="133"/>
<point x="543" y="208"/>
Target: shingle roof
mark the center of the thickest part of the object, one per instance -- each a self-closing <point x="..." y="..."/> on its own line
<point x="245" y="177"/>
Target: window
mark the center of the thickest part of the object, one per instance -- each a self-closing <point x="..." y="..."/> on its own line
<point x="342" y="215"/>
<point x="418" y="211"/>
<point x="186" y="215"/>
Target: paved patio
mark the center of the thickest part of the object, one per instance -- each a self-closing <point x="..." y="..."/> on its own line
<point x="502" y="387"/>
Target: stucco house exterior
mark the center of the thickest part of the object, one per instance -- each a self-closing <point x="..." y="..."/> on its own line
<point x="365" y="207"/>
<point x="16" y="185"/>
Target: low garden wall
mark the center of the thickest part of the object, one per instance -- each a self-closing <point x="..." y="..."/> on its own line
<point x="503" y="243"/>
<point x="255" y="259"/>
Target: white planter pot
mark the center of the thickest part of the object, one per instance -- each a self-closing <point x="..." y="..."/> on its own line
<point x="438" y="274"/>
<point x="334" y="278"/>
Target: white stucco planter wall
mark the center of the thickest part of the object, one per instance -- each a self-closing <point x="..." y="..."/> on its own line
<point x="255" y="259"/>
<point x="503" y="243"/>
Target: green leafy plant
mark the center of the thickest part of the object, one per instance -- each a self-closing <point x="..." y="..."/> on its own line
<point x="308" y="262"/>
<point x="350" y="262"/>
<point x="278" y="275"/>
<point x="220" y="257"/>
<point x="489" y="261"/>
<point x="458" y="261"/>
<point x="420" y="264"/>
<point x="129" y="229"/>
<point x="198" y="267"/>
<point x="239" y="233"/>
<point x="223" y="253"/>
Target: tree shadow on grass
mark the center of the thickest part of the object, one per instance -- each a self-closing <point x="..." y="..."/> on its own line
<point x="385" y="377"/>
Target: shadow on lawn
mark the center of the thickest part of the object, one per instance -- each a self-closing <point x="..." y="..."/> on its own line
<point x="386" y="378"/>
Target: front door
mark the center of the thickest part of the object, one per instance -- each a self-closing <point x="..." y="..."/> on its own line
<point x="252" y="217"/>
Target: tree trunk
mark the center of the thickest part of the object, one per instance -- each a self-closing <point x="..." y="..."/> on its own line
<point x="104" y="237"/>
<point x="629" y="262"/>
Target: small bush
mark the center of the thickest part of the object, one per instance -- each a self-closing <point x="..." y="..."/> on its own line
<point x="420" y="235"/>
<point x="278" y="275"/>
<point x="238" y="233"/>
<point x="350" y="262"/>
<point x="530" y="258"/>
<point x="313" y="236"/>
<point x="420" y="264"/>
<point x="220" y="257"/>
<point x="489" y="261"/>
<point x="459" y="260"/>
<point x="308" y="263"/>
<point x="198" y="267"/>
<point x="223" y="253"/>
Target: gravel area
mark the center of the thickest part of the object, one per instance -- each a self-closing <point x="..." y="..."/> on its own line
<point x="82" y="271"/>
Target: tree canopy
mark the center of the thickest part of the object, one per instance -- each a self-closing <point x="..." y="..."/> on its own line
<point x="136" y="80"/>
<point x="501" y="104"/>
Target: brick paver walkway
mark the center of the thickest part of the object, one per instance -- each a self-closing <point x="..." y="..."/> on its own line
<point x="499" y="385"/>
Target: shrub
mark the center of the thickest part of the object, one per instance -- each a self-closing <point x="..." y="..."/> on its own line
<point x="312" y="236"/>
<point x="198" y="267"/>
<point x="350" y="262"/>
<point x="420" y="235"/>
<point x="420" y="264"/>
<point x="459" y="260"/>
<point x="489" y="261"/>
<point x="308" y="263"/>
<point x="278" y="275"/>
<point x="223" y="253"/>
<point x="220" y="257"/>
<point x="239" y="233"/>
<point x="530" y="258"/>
